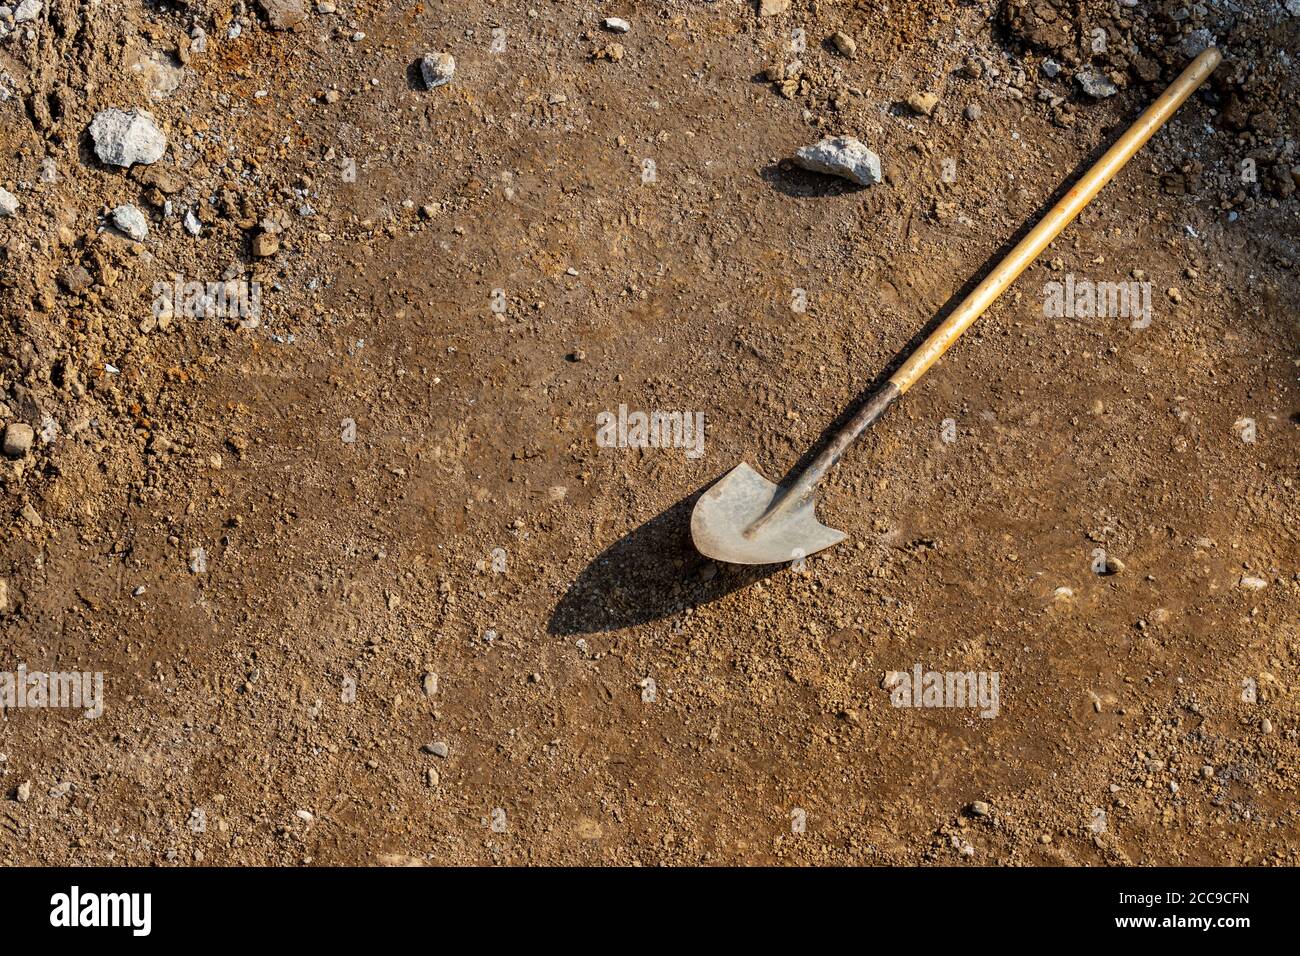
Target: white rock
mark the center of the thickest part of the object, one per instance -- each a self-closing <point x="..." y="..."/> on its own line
<point x="193" y="225"/>
<point x="616" y="24"/>
<point x="8" y="203"/>
<point x="841" y="156"/>
<point x="127" y="137"/>
<point x="131" y="221"/>
<point x="1252" y="583"/>
<point x="27" y="10"/>
<point x="437" y="69"/>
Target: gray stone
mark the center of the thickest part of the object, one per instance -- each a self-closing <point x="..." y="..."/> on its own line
<point x="437" y="69"/>
<point x="616" y="24"/>
<point x="841" y="156"/>
<point x="131" y="221"/>
<point x="27" y="10"/>
<point x="127" y="137"/>
<point x="1097" y="85"/>
<point x="1196" y="42"/>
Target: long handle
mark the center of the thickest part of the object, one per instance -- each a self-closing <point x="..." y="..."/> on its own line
<point x="1016" y="261"/>
<point x="1061" y="215"/>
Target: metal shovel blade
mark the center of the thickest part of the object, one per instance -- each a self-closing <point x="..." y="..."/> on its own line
<point x="722" y="524"/>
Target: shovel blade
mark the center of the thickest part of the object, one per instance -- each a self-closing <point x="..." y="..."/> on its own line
<point x="727" y="510"/>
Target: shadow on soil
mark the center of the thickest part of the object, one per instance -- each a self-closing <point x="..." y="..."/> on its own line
<point x="652" y="573"/>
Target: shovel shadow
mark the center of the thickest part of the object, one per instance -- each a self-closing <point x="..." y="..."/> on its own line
<point x="653" y="572"/>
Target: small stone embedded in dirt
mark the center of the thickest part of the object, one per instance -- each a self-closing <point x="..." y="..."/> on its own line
<point x="8" y="203"/>
<point x="131" y="221"/>
<point x="27" y="10"/>
<point x="770" y="8"/>
<point x="24" y="791"/>
<point x="431" y="777"/>
<point x="845" y="44"/>
<point x="75" y="278"/>
<point x="980" y="809"/>
<point x="1097" y="85"/>
<point x="266" y="244"/>
<point x="1252" y="583"/>
<point x="1112" y="565"/>
<point x="616" y="25"/>
<point x="284" y="14"/>
<point x="127" y="137"/>
<point x="18" y="439"/>
<point x="438" y="748"/>
<point x="1196" y="42"/>
<point x="1051" y="69"/>
<point x="972" y="112"/>
<point x="842" y="156"/>
<point x="922" y="104"/>
<point x="437" y="69"/>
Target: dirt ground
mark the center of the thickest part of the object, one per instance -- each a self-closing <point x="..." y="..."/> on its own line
<point x="364" y="587"/>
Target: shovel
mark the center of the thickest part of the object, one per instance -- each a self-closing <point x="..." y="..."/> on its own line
<point x="746" y="519"/>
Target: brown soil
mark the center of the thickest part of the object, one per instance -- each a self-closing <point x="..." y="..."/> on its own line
<point x="475" y="530"/>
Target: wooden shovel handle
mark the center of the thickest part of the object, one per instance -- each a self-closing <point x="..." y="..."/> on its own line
<point x="1016" y="261"/>
<point x="1060" y="216"/>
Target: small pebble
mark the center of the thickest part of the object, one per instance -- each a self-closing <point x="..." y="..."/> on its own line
<point x="18" y="439"/>
<point x="131" y="221"/>
<point x="922" y="104"/>
<point x="616" y="25"/>
<point x="437" y="69"/>
<point x="1097" y="85"/>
